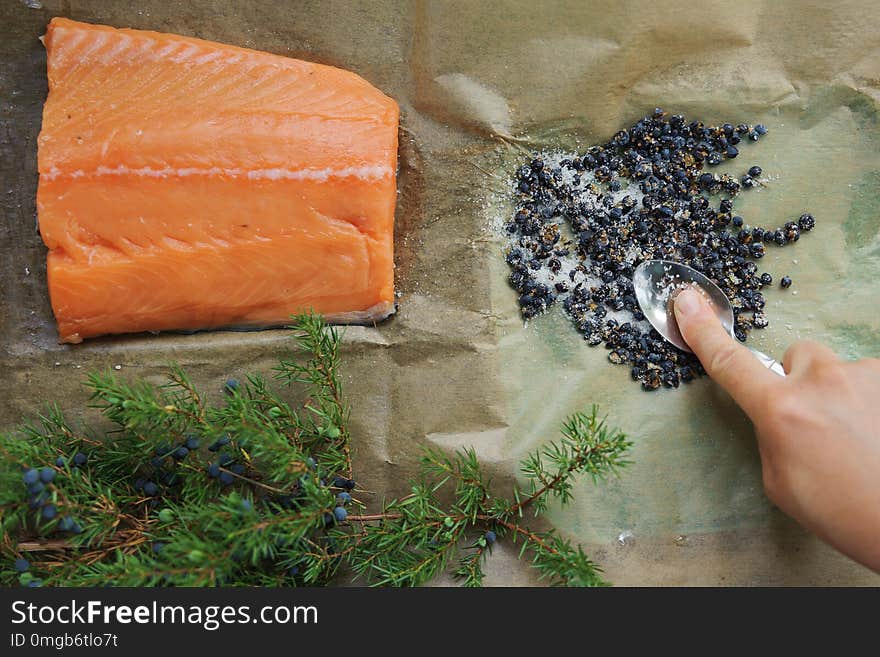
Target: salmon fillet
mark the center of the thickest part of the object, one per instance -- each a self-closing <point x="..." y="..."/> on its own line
<point x="186" y="184"/>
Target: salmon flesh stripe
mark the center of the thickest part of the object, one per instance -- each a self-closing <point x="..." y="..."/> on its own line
<point x="186" y="185"/>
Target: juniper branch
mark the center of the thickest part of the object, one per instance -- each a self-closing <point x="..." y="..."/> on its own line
<point x="254" y="491"/>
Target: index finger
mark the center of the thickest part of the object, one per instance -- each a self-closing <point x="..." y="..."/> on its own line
<point x="730" y="364"/>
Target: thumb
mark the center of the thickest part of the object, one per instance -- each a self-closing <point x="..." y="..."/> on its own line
<point x="730" y="364"/>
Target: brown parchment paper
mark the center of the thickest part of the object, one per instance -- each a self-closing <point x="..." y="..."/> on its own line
<point x="478" y="83"/>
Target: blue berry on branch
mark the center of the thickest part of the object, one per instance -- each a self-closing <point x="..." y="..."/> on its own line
<point x="217" y="444"/>
<point x="36" y="501"/>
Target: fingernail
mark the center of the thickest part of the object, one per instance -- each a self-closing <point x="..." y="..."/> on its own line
<point x="688" y="303"/>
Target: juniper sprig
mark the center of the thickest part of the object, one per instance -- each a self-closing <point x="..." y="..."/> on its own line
<point x="252" y="490"/>
<point x="417" y="537"/>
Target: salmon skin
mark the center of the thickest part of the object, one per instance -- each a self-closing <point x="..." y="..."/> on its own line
<point x="188" y="185"/>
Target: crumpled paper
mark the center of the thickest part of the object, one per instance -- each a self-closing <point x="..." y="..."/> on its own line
<point x="480" y="85"/>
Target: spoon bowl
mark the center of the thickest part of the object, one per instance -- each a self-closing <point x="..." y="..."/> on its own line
<point x="658" y="282"/>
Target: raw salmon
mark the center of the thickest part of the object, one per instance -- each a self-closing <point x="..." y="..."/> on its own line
<point x="186" y="184"/>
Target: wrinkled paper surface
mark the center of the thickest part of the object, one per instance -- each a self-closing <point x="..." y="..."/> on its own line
<point x="480" y="84"/>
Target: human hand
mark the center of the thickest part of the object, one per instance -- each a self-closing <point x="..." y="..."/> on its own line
<point x="818" y="428"/>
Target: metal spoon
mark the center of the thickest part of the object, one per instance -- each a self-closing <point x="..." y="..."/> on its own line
<point x="658" y="282"/>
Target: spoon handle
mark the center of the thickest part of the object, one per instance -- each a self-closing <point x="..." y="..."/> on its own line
<point x="768" y="362"/>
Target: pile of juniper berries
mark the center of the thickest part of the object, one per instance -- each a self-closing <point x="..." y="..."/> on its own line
<point x="645" y="194"/>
